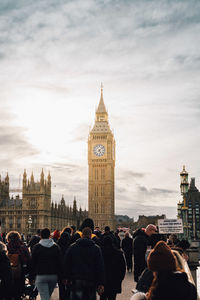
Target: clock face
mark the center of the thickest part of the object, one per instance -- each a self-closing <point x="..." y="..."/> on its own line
<point x="99" y="150"/>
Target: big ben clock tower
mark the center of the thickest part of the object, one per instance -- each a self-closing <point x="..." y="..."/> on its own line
<point x="101" y="163"/>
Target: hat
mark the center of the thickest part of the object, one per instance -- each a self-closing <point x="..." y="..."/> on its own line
<point x="87" y="223"/>
<point x="161" y="258"/>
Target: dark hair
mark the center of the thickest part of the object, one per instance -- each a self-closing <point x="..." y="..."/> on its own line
<point x="87" y="232"/>
<point x="66" y="229"/>
<point x="87" y="223"/>
<point x="73" y="227"/>
<point x="38" y="231"/>
<point x="45" y="233"/>
<point x="13" y="235"/>
<point x="107" y="228"/>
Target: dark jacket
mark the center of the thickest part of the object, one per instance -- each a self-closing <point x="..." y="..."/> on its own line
<point x="174" y="286"/>
<point x="33" y="241"/>
<point x="5" y="276"/>
<point x="64" y="242"/>
<point x="139" y="250"/>
<point x="145" y="281"/>
<point x="115" y="269"/>
<point x="83" y="261"/>
<point x="46" y="259"/>
<point x="127" y="245"/>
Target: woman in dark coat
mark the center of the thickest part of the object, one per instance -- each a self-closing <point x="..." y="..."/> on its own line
<point x="16" y="246"/>
<point x="5" y="274"/>
<point x="127" y="246"/>
<point x="115" y="269"/>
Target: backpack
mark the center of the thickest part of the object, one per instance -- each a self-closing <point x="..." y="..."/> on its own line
<point x="15" y="264"/>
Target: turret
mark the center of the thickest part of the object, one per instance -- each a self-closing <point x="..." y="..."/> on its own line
<point x="24" y="179"/>
<point x="42" y="179"/>
<point x="74" y="207"/>
<point x="184" y="181"/>
<point x="192" y="187"/>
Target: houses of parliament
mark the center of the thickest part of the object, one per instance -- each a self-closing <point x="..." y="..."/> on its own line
<point x="35" y="209"/>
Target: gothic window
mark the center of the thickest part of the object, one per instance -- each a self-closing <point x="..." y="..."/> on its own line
<point x="102" y="190"/>
<point x="96" y="208"/>
<point x="102" y="174"/>
<point x="96" y="191"/>
<point x="18" y="222"/>
<point x="96" y="174"/>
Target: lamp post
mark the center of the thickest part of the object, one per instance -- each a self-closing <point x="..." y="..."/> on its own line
<point x="29" y="224"/>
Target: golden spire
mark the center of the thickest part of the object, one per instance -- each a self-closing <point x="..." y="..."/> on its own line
<point x="101" y="108"/>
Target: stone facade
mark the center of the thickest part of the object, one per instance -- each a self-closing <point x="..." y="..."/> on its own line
<point x="35" y="209"/>
<point x="101" y="164"/>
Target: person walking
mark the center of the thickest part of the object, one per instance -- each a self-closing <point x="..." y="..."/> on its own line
<point x="115" y="269"/>
<point x="19" y="257"/>
<point x="140" y="247"/>
<point x="5" y="274"/>
<point x="127" y="246"/>
<point x="169" y="282"/>
<point x="46" y="265"/>
<point x="64" y="243"/>
<point x="84" y="268"/>
<point x="34" y="240"/>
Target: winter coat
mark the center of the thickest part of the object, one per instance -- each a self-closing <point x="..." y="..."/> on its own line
<point x="5" y="276"/>
<point x="145" y="281"/>
<point x="83" y="261"/>
<point x="33" y="241"/>
<point x="16" y="246"/>
<point x="174" y="286"/>
<point x="64" y="242"/>
<point x="139" y="250"/>
<point x="115" y="269"/>
<point x="127" y="245"/>
<point x="46" y="259"/>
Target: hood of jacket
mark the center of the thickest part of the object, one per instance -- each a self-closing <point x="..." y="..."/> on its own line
<point x="48" y="243"/>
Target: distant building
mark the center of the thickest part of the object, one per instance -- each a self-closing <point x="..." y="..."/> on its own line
<point x="35" y="210"/>
<point x="143" y="221"/>
<point x="189" y="207"/>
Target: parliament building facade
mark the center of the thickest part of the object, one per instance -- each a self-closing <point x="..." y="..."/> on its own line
<point x="35" y="209"/>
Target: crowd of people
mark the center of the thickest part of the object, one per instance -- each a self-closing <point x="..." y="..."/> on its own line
<point x="87" y="261"/>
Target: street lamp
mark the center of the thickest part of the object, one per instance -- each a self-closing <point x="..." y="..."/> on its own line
<point x="29" y="223"/>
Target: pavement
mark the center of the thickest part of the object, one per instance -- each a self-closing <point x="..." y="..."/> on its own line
<point x="127" y="285"/>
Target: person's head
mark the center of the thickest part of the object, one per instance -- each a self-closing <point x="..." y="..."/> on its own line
<point x="38" y="232"/>
<point x="127" y="234"/>
<point x="184" y="244"/>
<point x="97" y="228"/>
<point x="56" y="234"/>
<point x="45" y="233"/>
<point x="66" y="229"/>
<point x="87" y="232"/>
<point x="13" y="236"/>
<point x="73" y="228"/>
<point x="107" y="229"/>
<point x="150" y="229"/>
<point x="3" y="247"/>
<point x="161" y="258"/>
<point x="87" y="223"/>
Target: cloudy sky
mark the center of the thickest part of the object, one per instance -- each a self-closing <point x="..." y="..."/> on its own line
<point x="54" y="56"/>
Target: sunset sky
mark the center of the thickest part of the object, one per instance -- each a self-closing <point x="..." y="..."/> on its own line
<point x="54" y="56"/>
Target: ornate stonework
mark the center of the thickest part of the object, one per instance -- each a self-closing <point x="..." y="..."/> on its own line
<point x="101" y="163"/>
<point x="35" y="204"/>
